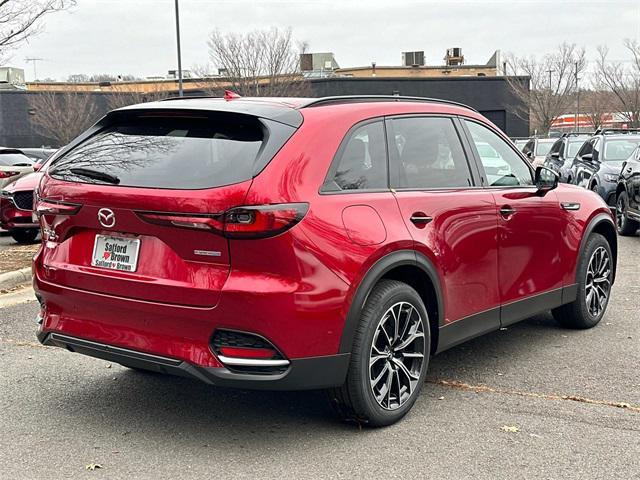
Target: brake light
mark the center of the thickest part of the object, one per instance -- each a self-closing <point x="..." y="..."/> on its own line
<point x="246" y="222"/>
<point x="50" y="207"/>
<point x="8" y="174"/>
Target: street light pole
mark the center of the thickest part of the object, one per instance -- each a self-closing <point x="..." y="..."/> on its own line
<point x="180" y="92"/>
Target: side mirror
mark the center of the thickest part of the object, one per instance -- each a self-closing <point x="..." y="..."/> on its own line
<point x="545" y="179"/>
<point x="555" y="154"/>
<point x="587" y="157"/>
<point x="37" y="167"/>
<point x="529" y="154"/>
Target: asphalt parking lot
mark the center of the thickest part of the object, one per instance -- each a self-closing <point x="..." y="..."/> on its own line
<point x="492" y="408"/>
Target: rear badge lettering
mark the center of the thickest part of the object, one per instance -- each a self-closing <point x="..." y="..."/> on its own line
<point x="207" y="253"/>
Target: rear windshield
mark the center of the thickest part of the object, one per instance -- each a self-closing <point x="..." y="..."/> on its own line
<point x="14" y="160"/>
<point x="184" y="152"/>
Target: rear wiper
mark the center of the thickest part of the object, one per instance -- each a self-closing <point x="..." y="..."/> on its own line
<point x="95" y="174"/>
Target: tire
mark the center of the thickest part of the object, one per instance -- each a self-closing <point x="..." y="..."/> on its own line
<point x="24" y="236"/>
<point x="589" y="307"/>
<point x="356" y="400"/>
<point x="624" y="225"/>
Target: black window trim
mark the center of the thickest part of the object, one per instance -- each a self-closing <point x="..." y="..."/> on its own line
<point x="335" y="161"/>
<point x="478" y="162"/>
<point x="475" y="178"/>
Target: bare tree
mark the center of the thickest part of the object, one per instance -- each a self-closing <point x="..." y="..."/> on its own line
<point x="623" y="81"/>
<point x="552" y="83"/>
<point x="62" y="116"/>
<point x="596" y="104"/>
<point x="19" y="19"/>
<point x="122" y="95"/>
<point x="260" y="63"/>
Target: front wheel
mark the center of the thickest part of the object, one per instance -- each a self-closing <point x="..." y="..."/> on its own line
<point x="625" y="225"/>
<point x="595" y="277"/>
<point x="389" y="357"/>
<point x="24" y="236"/>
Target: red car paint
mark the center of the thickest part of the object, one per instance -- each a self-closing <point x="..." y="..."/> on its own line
<point x="296" y="289"/>
<point x="10" y="215"/>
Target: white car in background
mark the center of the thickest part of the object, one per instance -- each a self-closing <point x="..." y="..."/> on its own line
<point x="13" y="165"/>
<point x="536" y="150"/>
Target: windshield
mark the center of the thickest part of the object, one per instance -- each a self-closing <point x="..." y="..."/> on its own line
<point x="167" y="152"/>
<point x="618" y="150"/>
<point x="14" y="160"/>
<point x="543" y="147"/>
<point x="573" y="147"/>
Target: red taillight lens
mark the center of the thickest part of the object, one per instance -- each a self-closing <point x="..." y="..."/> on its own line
<point x="8" y="174"/>
<point x="253" y="221"/>
<point x="242" y="352"/>
<point x="262" y="221"/>
<point x="49" y="207"/>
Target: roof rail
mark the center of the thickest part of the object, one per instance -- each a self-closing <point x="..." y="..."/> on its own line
<point x="578" y="134"/>
<point x="379" y="98"/>
<point x="614" y="131"/>
<point x="188" y="97"/>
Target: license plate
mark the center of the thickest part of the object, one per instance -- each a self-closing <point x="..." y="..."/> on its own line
<point x="115" y="253"/>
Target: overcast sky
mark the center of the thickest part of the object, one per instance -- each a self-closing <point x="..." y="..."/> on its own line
<point x="138" y="36"/>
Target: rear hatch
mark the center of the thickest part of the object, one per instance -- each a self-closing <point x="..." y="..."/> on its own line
<point x="135" y="209"/>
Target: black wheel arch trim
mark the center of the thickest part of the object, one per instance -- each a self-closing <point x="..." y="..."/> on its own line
<point x="371" y="278"/>
<point x="600" y="219"/>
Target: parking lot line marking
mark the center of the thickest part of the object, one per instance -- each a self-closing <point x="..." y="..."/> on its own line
<point x="573" y="398"/>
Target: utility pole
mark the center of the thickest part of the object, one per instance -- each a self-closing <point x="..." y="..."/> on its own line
<point x="577" y="99"/>
<point x="180" y="92"/>
<point x="34" y="61"/>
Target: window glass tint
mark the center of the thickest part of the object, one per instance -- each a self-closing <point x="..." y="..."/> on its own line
<point x="363" y="160"/>
<point x="586" y="148"/>
<point x="167" y="152"/>
<point x="543" y="147"/>
<point x="573" y="148"/>
<point x="426" y="153"/>
<point x="557" y="146"/>
<point x="619" y="150"/>
<point x="14" y="159"/>
<point x="502" y="165"/>
<point x="528" y="148"/>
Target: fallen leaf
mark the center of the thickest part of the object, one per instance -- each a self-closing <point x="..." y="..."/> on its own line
<point x="510" y="428"/>
<point x="440" y="398"/>
<point x="108" y="365"/>
<point x="93" y="466"/>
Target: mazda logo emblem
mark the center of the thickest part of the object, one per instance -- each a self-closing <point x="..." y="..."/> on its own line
<point x="106" y="217"/>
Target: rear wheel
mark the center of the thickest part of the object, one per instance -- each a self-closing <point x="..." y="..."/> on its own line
<point x="625" y="225"/>
<point x="23" y="236"/>
<point x="595" y="275"/>
<point x="389" y="357"/>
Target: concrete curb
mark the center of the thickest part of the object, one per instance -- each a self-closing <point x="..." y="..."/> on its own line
<point x="13" y="279"/>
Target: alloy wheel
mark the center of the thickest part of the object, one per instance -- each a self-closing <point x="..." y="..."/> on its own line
<point x="598" y="282"/>
<point x="397" y="355"/>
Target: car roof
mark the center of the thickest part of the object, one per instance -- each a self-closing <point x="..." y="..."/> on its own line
<point x="282" y="109"/>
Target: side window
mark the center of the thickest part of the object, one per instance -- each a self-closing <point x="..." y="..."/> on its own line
<point x="596" y="149"/>
<point x="556" y="147"/>
<point x="502" y="165"/>
<point x="426" y="152"/>
<point x="528" y="148"/>
<point x="587" y="147"/>
<point x="363" y="160"/>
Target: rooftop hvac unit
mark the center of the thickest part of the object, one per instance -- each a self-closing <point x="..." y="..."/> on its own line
<point x="454" y="56"/>
<point x="413" y="59"/>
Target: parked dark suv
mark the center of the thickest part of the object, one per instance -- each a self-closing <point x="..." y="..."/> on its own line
<point x="333" y="243"/>
<point x="599" y="161"/>
<point x="560" y="157"/>
<point x="628" y="195"/>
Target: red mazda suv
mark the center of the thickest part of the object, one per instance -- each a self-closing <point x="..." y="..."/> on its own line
<point x="334" y="243"/>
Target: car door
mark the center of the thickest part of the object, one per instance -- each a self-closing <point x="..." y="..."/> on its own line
<point x="585" y="162"/>
<point x="530" y="228"/>
<point x="631" y="175"/>
<point x="451" y="220"/>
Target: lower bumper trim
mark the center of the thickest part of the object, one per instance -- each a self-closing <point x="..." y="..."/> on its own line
<point x="302" y="374"/>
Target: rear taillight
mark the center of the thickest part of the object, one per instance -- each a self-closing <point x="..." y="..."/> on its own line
<point x="8" y="174"/>
<point x="51" y="207"/>
<point x="247" y="222"/>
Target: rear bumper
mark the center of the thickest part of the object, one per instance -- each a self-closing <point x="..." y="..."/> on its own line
<point x="302" y="374"/>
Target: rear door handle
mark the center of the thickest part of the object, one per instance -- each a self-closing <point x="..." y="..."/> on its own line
<point x="420" y="219"/>
<point x="507" y="211"/>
